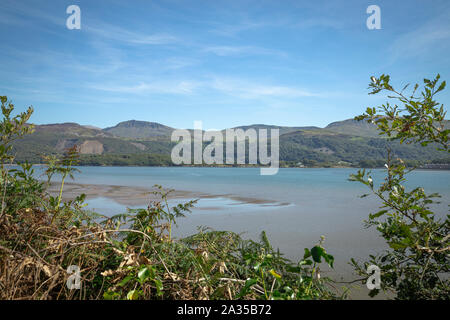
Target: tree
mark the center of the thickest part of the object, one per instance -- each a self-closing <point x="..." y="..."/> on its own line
<point x="11" y="128"/>
<point x="416" y="265"/>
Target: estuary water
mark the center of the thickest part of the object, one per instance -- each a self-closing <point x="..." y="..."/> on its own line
<point x="295" y="207"/>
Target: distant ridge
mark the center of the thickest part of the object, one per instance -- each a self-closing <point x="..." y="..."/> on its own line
<point x="283" y="129"/>
<point x="354" y="127"/>
<point x="137" y="129"/>
<point x="70" y="128"/>
<point x="91" y="127"/>
<point x="136" y="142"/>
<point x="360" y="128"/>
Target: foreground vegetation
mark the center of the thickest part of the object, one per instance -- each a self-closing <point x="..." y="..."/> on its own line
<point x="134" y="256"/>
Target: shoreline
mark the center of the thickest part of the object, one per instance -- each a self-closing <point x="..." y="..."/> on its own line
<point x="135" y="196"/>
<point x="236" y="167"/>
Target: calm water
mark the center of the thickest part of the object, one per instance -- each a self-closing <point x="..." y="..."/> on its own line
<point x="315" y="202"/>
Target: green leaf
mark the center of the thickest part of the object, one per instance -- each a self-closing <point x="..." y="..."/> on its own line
<point x="110" y="295"/>
<point x="307" y="262"/>
<point x="307" y="254"/>
<point x="329" y="259"/>
<point x="248" y="284"/>
<point x="397" y="245"/>
<point x="133" y="295"/>
<point x="143" y="274"/>
<point x="159" y="286"/>
<point x="441" y="87"/>
<point x="317" y="253"/>
<point x="125" y="280"/>
<point x="293" y="269"/>
<point x="378" y="214"/>
<point x="373" y="292"/>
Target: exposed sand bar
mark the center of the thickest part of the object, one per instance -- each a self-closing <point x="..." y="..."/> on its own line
<point x="290" y="228"/>
<point x="135" y="196"/>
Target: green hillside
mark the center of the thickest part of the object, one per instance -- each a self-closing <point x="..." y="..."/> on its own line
<point x="133" y="142"/>
<point x="55" y="138"/>
<point x="331" y="147"/>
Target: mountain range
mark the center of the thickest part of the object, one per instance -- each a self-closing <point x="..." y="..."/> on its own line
<point x="133" y="142"/>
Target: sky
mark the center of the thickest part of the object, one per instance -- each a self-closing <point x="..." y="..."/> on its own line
<point x="225" y="63"/>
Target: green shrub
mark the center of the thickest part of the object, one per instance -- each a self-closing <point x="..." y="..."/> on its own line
<point x="417" y="264"/>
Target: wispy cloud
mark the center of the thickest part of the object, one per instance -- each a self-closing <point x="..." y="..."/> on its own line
<point x="431" y="36"/>
<point x="327" y="19"/>
<point x="241" y="88"/>
<point x="126" y="36"/>
<point x="331" y="22"/>
<point x="175" y="63"/>
<point x="14" y="12"/>
<point x="232" y="30"/>
<point x="8" y="19"/>
<point x="241" y="50"/>
<point x="19" y="12"/>
<point x="249" y="90"/>
<point x="161" y="87"/>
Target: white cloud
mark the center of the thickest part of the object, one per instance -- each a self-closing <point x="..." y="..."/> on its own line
<point x="249" y="90"/>
<point x="241" y="50"/>
<point x="169" y="87"/>
<point x="243" y="89"/>
<point x="20" y="13"/>
<point x="123" y="35"/>
<point x="179" y="62"/>
<point x="232" y="30"/>
<point x="423" y="40"/>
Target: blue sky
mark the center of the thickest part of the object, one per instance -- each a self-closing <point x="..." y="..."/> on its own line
<point x="226" y="63"/>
